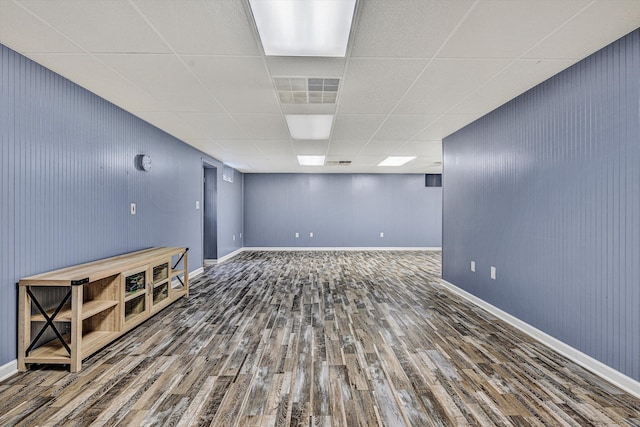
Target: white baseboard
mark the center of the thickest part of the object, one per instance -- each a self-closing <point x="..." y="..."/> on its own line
<point x="346" y="248"/>
<point x="231" y="255"/>
<point x="8" y="370"/>
<point x="617" y="378"/>
<point x="196" y="272"/>
<point x="192" y="275"/>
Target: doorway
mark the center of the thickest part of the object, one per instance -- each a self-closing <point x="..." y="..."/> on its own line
<point x="210" y="214"/>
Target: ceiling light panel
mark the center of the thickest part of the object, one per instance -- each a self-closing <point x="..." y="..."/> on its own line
<point x="303" y="28"/>
<point x="309" y="126"/>
<point x="311" y="160"/>
<point x="396" y="160"/>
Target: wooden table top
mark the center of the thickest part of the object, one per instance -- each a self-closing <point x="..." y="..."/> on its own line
<point x="100" y="269"/>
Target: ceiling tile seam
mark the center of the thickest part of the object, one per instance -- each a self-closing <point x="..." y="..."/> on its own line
<point x="355" y="23"/>
<point x="30" y="12"/>
<point x="500" y="72"/>
<point x="83" y="52"/>
<point x="251" y="22"/>
<point x="421" y="73"/>
<point x="159" y="34"/>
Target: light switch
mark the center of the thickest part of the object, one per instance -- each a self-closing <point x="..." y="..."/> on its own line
<point x="297" y="235"/>
<point x="311" y="234"/>
<point x="197" y="204"/>
<point x="473" y="266"/>
<point x="493" y="272"/>
<point x="381" y="234"/>
<point x="133" y="208"/>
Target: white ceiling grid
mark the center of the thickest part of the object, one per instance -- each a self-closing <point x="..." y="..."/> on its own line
<point x="415" y="71"/>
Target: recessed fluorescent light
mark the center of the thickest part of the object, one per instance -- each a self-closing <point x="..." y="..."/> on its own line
<point x="309" y="126"/>
<point x="303" y="28"/>
<point x="311" y="160"/>
<point x="396" y="160"/>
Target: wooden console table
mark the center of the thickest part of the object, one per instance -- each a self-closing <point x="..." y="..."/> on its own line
<point x="100" y="301"/>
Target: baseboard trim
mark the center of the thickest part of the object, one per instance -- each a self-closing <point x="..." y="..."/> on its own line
<point x="8" y="369"/>
<point x="230" y="255"/>
<point x="616" y="378"/>
<point x="343" y="248"/>
<point x="196" y="272"/>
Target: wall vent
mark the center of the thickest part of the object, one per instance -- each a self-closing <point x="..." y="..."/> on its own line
<point x="307" y="90"/>
<point x="433" y="180"/>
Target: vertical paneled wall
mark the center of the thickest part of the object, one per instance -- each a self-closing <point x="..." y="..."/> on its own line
<point x="547" y="190"/>
<point x="230" y="213"/>
<point x="68" y="176"/>
<point x="341" y="210"/>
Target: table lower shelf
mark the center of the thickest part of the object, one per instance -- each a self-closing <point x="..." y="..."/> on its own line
<point x="53" y="352"/>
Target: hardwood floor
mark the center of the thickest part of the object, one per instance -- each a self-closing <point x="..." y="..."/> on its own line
<point x="320" y="338"/>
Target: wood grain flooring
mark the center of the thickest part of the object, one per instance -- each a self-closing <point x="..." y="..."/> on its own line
<point x="322" y="339"/>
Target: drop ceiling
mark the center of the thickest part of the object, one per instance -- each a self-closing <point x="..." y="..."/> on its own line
<point x="415" y="70"/>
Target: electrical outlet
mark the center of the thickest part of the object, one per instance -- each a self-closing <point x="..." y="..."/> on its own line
<point x="234" y="237"/>
<point x="241" y="235"/>
<point x="473" y="266"/>
<point x="133" y="208"/>
<point x="197" y="204"/>
<point x="381" y="234"/>
<point x="493" y="272"/>
<point x="311" y="234"/>
<point x="297" y="235"/>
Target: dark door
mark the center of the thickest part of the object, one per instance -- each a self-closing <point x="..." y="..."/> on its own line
<point x="210" y="213"/>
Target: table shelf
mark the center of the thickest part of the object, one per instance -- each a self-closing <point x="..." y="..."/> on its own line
<point x="96" y="309"/>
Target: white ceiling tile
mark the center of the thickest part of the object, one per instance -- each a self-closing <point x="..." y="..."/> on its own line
<point x="376" y="85"/>
<point x="263" y="126"/>
<point x="349" y="127"/>
<point x="380" y="148"/>
<point x="168" y="122"/>
<point x="241" y="84"/>
<point x="22" y="31"/>
<point x="275" y="147"/>
<point x="280" y="66"/>
<point x="244" y="147"/>
<point x="86" y="71"/>
<point x="345" y="148"/>
<point x="213" y="126"/>
<point x="445" y="82"/>
<point x="420" y="148"/>
<point x="167" y="78"/>
<point x="218" y="27"/>
<point x="311" y="148"/>
<point x="206" y="146"/>
<point x="519" y="77"/>
<point x="445" y="126"/>
<point x="507" y="28"/>
<point x="406" y="28"/>
<point x="99" y="25"/>
<point x="402" y="127"/>
<point x="585" y="33"/>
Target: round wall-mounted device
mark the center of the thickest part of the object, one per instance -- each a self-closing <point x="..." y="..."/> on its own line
<point x="143" y="162"/>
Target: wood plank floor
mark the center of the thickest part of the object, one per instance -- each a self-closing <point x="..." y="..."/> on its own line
<point x="320" y="338"/>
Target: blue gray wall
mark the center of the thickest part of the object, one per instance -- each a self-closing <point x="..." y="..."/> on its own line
<point x="230" y="213"/>
<point x="342" y="210"/>
<point x="67" y="177"/>
<point x="547" y="190"/>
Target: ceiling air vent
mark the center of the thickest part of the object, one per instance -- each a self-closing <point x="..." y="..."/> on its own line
<point x="307" y="90"/>
<point x="337" y="163"/>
